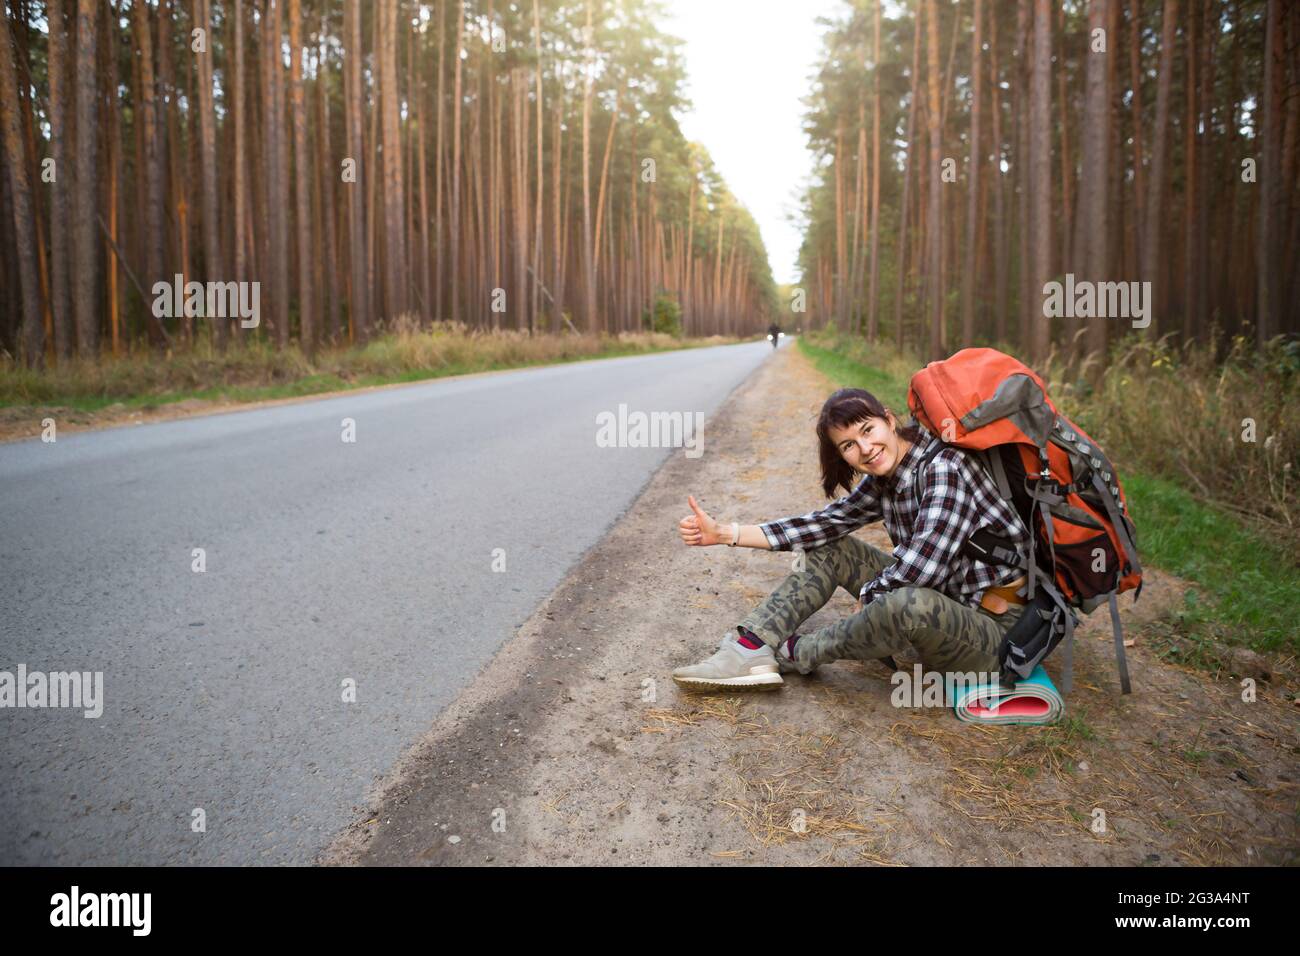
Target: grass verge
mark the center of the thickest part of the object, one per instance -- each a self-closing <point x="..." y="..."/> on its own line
<point x="259" y="371"/>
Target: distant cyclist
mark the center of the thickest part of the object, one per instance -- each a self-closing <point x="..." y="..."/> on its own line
<point x="774" y="333"/>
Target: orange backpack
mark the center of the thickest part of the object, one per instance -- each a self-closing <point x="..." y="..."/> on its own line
<point x="1063" y="486"/>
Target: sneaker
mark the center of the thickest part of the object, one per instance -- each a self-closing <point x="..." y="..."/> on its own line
<point x="787" y="664"/>
<point x="732" y="667"/>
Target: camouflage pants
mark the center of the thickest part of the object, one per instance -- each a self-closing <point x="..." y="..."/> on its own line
<point x="947" y="635"/>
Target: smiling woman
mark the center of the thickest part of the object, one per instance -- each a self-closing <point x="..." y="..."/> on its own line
<point x="928" y="596"/>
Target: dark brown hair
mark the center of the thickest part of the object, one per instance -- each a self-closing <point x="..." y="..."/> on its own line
<point x="849" y="406"/>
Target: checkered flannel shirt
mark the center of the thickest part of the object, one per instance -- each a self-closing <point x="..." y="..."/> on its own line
<point x="928" y="517"/>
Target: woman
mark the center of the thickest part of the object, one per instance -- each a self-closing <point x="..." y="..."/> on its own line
<point x="928" y="596"/>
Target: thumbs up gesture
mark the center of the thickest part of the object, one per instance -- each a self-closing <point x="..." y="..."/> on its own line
<point x="697" y="528"/>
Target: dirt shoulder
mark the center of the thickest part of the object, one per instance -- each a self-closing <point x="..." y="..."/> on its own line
<point x="574" y="745"/>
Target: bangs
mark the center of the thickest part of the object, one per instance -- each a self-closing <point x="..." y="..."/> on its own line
<point x="851" y="412"/>
<point x="845" y="410"/>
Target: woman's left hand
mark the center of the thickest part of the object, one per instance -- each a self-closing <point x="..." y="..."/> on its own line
<point x="698" y="529"/>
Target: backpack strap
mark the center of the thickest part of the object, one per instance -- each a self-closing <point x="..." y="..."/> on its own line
<point x="1032" y="637"/>
<point x="1130" y="551"/>
<point x="1042" y="500"/>
<point x="1116" y="519"/>
<point x="938" y="446"/>
<point x="995" y="467"/>
<point x="1118" y="629"/>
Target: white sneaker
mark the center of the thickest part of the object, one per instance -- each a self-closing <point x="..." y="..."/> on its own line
<point x="732" y="667"/>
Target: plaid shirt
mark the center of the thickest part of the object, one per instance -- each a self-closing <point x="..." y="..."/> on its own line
<point x="928" y="519"/>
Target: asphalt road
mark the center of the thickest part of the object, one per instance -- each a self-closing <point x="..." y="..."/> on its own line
<point x="328" y="565"/>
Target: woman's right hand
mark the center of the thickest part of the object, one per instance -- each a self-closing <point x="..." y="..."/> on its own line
<point x="698" y="529"/>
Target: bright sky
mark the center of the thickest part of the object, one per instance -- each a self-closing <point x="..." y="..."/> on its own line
<point x="748" y="64"/>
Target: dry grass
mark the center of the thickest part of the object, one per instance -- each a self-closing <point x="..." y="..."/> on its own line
<point x="788" y="784"/>
<point x="797" y="784"/>
<point x="1030" y="778"/>
<point x="1225" y="423"/>
<point x="258" y="369"/>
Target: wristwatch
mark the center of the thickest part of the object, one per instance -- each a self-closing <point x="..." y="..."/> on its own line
<point x="735" y="534"/>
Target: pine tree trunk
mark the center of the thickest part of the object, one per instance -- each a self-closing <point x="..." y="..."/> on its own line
<point x="454" y="235"/>
<point x="113" y="138"/>
<point x="873" y="314"/>
<point x="307" y="319"/>
<point x="1000" y="294"/>
<point x="588" y="253"/>
<point x="359" y="306"/>
<point x="236" y="82"/>
<point x="208" y="149"/>
<point x="60" y="302"/>
<point x="422" y="269"/>
<point x="541" y="179"/>
<point x="905" y="205"/>
<point x="439" y="152"/>
<point x="325" y="184"/>
<point x="152" y="169"/>
<point x="1156" y="186"/>
<point x="1270" y="306"/>
<point x="1040" y="168"/>
<point x="973" y="182"/>
<point x="394" y="252"/>
<point x="32" y="331"/>
<point x="1139" y="168"/>
<point x="938" y="349"/>
<point x="1090" y="259"/>
<point x="1023" y="174"/>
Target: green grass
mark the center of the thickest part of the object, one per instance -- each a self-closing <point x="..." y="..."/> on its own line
<point x="1245" y="587"/>
<point x="850" y="374"/>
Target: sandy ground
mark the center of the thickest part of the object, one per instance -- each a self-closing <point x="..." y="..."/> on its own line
<point x="574" y="745"/>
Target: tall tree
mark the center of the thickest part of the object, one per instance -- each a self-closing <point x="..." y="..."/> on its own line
<point x="905" y="206"/>
<point x="1270" y="167"/>
<point x="57" y="66"/>
<point x="208" y="145"/>
<point x="302" y="183"/>
<point x="152" y="169"/>
<point x="238" y="114"/>
<point x="394" y="247"/>
<point x="1158" y="170"/>
<point x="32" y="336"/>
<point x="588" y="253"/>
<point x="934" y="224"/>
<point x="872" y="288"/>
<point x="973" y="180"/>
<point x="455" y="165"/>
<point x="325" y="186"/>
<point x="1040" y="172"/>
<point x="85" y="258"/>
<point x="1091" y="254"/>
<point x="354" y="185"/>
<point x="1000" y="263"/>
